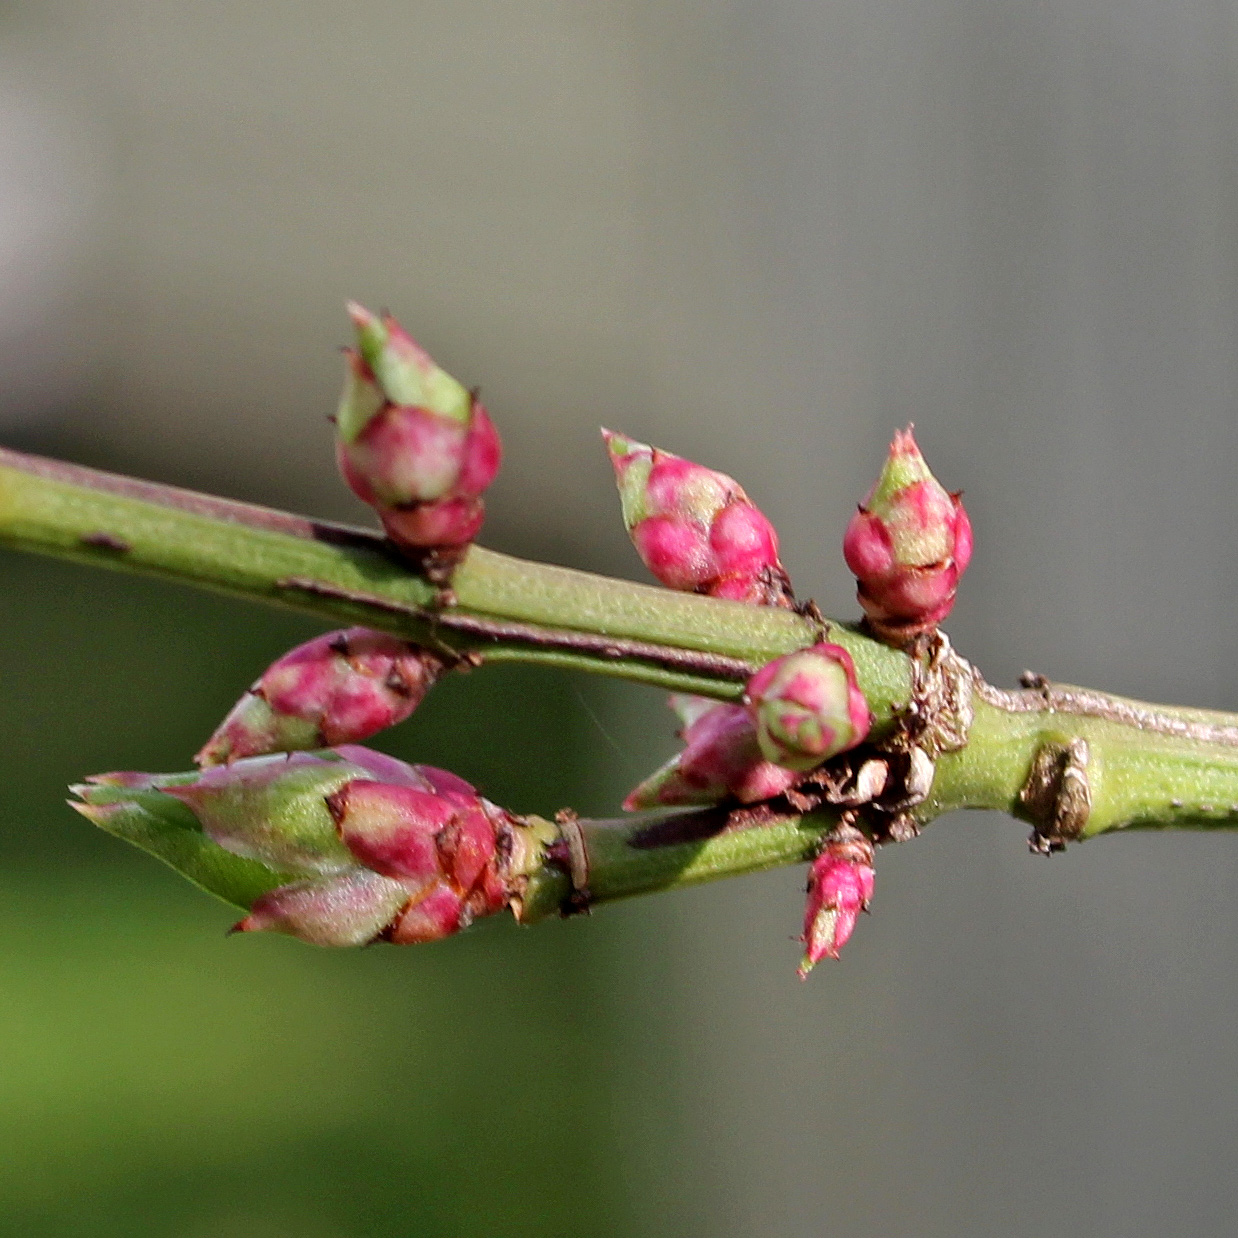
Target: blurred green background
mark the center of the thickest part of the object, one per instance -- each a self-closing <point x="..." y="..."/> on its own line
<point x="154" y="1080"/>
<point x="759" y="234"/>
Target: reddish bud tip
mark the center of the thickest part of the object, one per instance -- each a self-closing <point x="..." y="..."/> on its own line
<point x="807" y="706"/>
<point x="694" y="528"/>
<point x="840" y="885"/>
<point x="908" y="545"/>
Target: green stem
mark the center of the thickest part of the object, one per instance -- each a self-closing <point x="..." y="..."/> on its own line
<point x="1148" y="766"/>
<point x="504" y="609"/>
<point x="625" y="858"/>
<point x="1076" y="763"/>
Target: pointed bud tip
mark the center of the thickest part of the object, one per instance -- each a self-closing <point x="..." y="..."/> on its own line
<point x="96" y="814"/>
<point x="361" y="317"/>
<point x="249" y="924"/>
<point x="620" y="446"/>
<point x="904" y="466"/>
<point x="812" y="958"/>
<point x="904" y="442"/>
<point x="122" y="778"/>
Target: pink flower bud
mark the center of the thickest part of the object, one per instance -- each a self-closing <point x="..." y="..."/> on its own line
<point x="696" y="529"/>
<point x="338" y="688"/>
<point x="412" y="441"/>
<point x="443" y="844"/>
<point x="392" y="829"/>
<point x="840" y="885"/>
<point x="721" y="758"/>
<point x="807" y="706"/>
<point x="908" y="545"/>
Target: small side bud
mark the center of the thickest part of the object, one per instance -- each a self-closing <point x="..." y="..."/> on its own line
<point x="412" y="441"/>
<point x="840" y="885"/>
<point x="908" y="545"/>
<point x="696" y="529"/>
<point x="721" y="758"/>
<point x="336" y="689"/>
<point x="807" y="706"/>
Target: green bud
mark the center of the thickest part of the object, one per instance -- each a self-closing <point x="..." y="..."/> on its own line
<point x="168" y="830"/>
<point x="404" y="372"/>
<point x="273" y="810"/>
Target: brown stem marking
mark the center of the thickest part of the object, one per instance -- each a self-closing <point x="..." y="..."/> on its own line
<point x="1039" y="695"/>
<point x="1057" y="796"/>
<point x="544" y="638"/>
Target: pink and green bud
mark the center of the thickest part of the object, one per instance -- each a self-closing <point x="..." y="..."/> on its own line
<point x="840" y="885"/>
<point x="908" y="545"/>
<point x="336" y="689"/>
<point x="412" y="441"/>
<point x="807" y="707"/>
<point x="350" y="909"/>
<point x="696" y="529"/>
<point x="273" y="809"/>
<point x="354" y="845"/>
<point x="721" y="759"/>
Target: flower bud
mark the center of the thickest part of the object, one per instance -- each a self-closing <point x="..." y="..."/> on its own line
<point x="721" y="758"/>
<point x="338" y="688"/>
<point x="339" y="847"/>
<point x="807" y="706"/>
<point x="908" y="545"/>
<point x="840" y="885"/>
<point x="412" y="441"/>
<point x="696" y="529"/>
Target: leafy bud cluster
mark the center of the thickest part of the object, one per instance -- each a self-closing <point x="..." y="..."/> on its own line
<point x="371" y="846"/>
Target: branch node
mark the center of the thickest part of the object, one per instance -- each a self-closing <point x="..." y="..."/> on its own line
<point x="1057" y="796"/>
<point x="940" y="713"/>
<point x="571" y="853"/>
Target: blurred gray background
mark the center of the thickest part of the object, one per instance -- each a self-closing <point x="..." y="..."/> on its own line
<point x="760" y="235"/>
